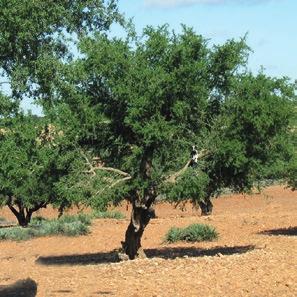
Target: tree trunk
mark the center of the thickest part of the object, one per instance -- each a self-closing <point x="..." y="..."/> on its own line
<point x="23" y="217"/>
<point x="24" y="214"/>
<point x="140" y="217"/>
<point x="142" y="211"/>
<point x="206" y="207"/>
<point x="24" y="220"/>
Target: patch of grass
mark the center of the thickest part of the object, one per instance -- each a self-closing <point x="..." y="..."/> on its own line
<point x="66" y="226"/>
<point x="108" y="215"/>
<point x="83" y="218"/>
<point x="15" y="233"/>
<point x="192" y="233"/>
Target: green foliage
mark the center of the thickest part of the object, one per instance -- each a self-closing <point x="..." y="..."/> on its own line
<point x="15" y="233"/>
<point x="173" y="91"/>
<point x="192" y="233"/>
<point x="291" y="168"/>
<point x="250" y="139"/>
<point x="83" y="218"/>
<point x="39" y="227"/>
<point x="292" y="173"/>
<point x="36" y="157"/>
<point x="8" y="107"/>
<point x="108" y="215"/>
<point x="191" y="185"/>
<point x="137" y="105"/>
<point x="37" y="37"/>
<point x="2" y="219"/>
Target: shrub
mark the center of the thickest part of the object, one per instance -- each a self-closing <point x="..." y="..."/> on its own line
<point x="108" y="215"/>
<point x="192" y="233"/>
<point x="2" y="219"/>
<point x="74" y="229"/>
<point x="15" y="233"/>
<point x="83" y="218"/>
<point x="66" y="225"/>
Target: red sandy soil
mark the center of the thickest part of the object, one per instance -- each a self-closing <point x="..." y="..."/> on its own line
<point x="255" y="255"/>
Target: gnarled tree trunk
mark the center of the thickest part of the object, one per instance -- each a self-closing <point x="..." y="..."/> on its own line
<point x="23" y="214"/>
<point x="206" y="207"/>
<point x="140" y="217"/>
<point x="142" y="211"/>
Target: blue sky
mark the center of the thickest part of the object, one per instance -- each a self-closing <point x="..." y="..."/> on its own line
<point x="271" y="26"/>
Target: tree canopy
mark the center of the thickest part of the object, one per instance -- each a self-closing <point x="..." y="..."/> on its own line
<point x="140" y="107"/>
<point x="38" y="37"/>
<point x="36" y="156"/>
<point x="132" y="118"/>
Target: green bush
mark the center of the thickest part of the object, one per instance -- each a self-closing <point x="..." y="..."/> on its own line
<point x="83" y="218"/>
<point x="192" y="233"/>
<point x="108" y="215"/>
<point x="74" y="229"/>
<point x="37" y="221"/>
<point x="2" y="219"/>
<point x="66" y="225"/>
<point x="15" y="233"/>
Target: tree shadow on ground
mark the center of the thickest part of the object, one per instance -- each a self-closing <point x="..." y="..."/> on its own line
<point x="164" y="253"/>
<point x="177" y="252"/>
<point x="291" y="231"/>
<point x="63" y="291"/>
<point x="83" y="259"/>
<point x="24" y="288"/>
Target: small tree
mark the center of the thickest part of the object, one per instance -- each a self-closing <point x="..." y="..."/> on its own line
<point x="35" y="156"/>
<point x="142" y="106"/>
<point x="37" y="39"/>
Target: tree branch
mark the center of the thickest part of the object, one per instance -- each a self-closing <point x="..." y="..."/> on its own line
<point x="110" y="169"/>
<point x="88" y="163"/>
<point x="99" y="167"/>
<point x="172" y="178"/>
<point x="92" y="170"/>
<point x="38" y="206"/>
<point x="14" y="211"/>
<point x="113" y="184"/>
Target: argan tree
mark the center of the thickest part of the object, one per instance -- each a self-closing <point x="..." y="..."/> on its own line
<point x="139" y="106"/>
<point x="37" y="39"/>
<point x="36" y="158"/>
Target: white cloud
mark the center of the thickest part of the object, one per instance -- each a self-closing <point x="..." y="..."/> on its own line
<point x="175" y="3"/>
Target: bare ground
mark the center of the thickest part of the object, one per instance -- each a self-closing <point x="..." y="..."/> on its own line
<point x="255" y="255"/>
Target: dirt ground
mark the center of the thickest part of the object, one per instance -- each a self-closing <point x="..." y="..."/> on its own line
<point x="255" y="255"/>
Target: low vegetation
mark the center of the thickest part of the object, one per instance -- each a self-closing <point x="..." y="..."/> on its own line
<point x="66" y="226"/>
<point x="192" y="233"/>
<point x="108" y="215"/>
